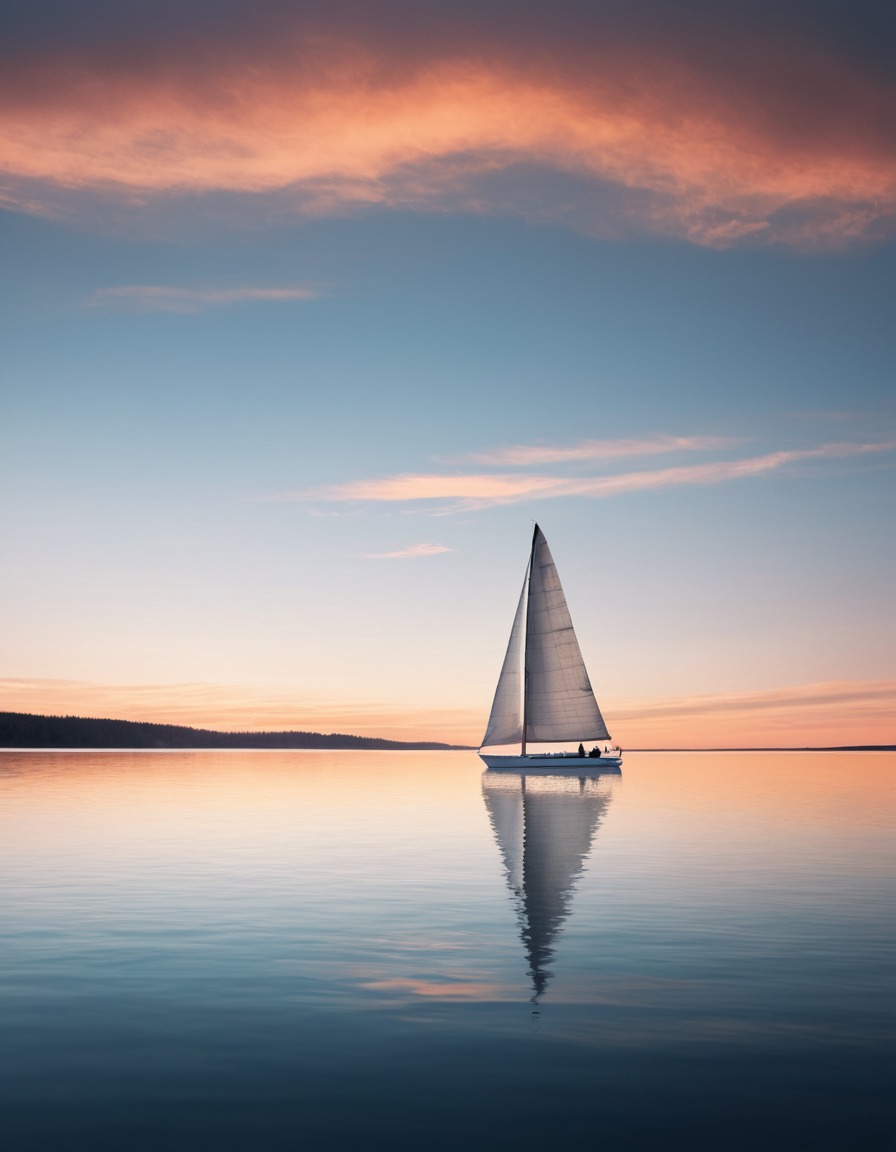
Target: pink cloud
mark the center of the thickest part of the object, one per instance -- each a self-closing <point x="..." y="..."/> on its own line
<point x="483" y="490"/>
<point x="788" y="146"/>
<point x="475" y="489"/>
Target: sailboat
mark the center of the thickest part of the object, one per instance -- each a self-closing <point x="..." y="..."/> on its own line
<point x="544" y="695"/>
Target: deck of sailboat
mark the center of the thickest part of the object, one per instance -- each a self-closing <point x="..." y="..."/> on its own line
<point x="570" y="764"/>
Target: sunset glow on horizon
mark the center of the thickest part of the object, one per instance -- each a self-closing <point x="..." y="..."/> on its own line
<point x="310" y="312"/>
<point x="812" y="715"/>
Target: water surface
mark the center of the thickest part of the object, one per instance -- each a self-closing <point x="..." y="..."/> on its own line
<point x="340" y="950"/>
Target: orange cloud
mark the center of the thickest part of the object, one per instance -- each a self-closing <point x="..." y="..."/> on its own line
<point x="474" y="491"/>
<point x="332" y="120"/>
<point x="487" y="490"/>
<point x="237" y="708"/>
<point x="876" y="693"/>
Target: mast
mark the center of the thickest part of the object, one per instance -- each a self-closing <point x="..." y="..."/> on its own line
<point x="526" y="644"/>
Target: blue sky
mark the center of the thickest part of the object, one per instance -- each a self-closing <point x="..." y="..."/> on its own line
<point x="193" y="377"/>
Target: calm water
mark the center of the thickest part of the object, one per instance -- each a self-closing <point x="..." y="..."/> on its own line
<point x="254" y="950"/>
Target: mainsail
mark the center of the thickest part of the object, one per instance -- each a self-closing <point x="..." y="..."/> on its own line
<point x="543" y="694"/>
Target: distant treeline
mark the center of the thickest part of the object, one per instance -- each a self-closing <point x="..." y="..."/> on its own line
<point x="22" y="730"/>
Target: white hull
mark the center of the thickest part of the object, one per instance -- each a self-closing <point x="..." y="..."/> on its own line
<point x="553" y="762"/>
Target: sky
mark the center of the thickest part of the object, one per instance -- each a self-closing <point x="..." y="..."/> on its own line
<point x="309" y="311"/>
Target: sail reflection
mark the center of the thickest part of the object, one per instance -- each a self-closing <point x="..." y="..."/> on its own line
<point x="544" y="826"/>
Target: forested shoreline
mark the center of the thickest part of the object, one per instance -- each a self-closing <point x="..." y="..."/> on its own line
<point x="26" y="730"/>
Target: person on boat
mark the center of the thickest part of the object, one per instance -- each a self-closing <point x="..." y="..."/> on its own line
<point x="594" y="753"/>
<point x="581" y="749"/>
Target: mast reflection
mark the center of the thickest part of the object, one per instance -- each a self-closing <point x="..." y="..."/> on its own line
<point x="544" y="826"/>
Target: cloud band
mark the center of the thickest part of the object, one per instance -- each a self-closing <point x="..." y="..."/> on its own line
<point x="647" y="135"/>
<point x="483" y="490"/>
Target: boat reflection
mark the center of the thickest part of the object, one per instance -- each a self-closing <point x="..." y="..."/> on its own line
<point x="544" y="825"/>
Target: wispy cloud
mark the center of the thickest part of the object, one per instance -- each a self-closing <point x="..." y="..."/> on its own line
<point x="410" y="553"/>
<point x="483" y="490"/>
<point x="827" y="714"/>
<point x="238" y="708"/>
<point x="527" y="455"/>
<point x="828" y="695"/>
<point x="169" y="298"/>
